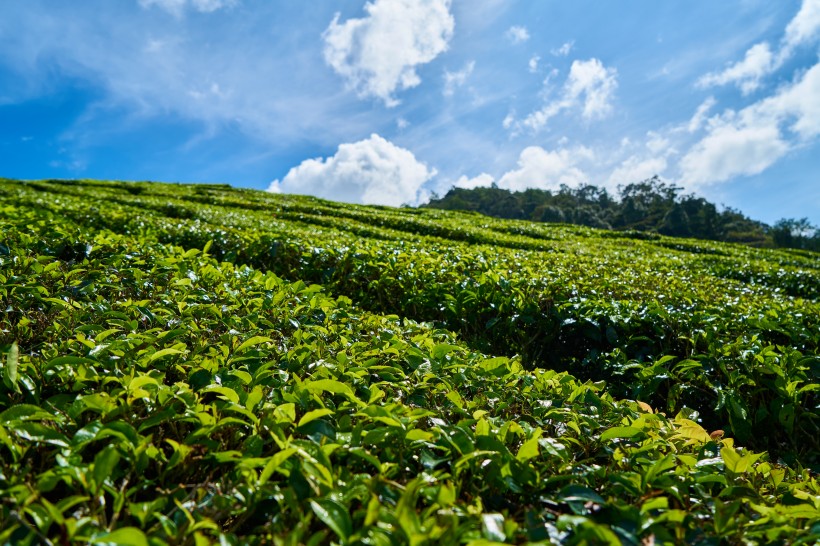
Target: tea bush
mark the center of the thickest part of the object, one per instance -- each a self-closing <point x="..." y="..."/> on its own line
<point x="202" y="364"/>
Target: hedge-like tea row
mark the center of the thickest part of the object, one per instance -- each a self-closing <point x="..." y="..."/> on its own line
<point x="665" y="326"/>
<point x="152" y="393"/>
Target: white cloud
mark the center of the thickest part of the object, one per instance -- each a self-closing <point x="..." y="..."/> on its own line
<point x="533" y="64"/>
<point x="760" y="60"/>
<point x="453" y="80"/>
<point x="177" y="7"/>
<point x="543" y="169"/>
<point x="635" y="169"/>
<point x="518" y="34"/>
<point x="798" y="103"/>
<point x="483" y="180"/>
<point x="378" y="54"/>
<point x="746" y="74"/>
<point x="596" y="83"/>
<point x="698" y="119"/>
<point x="590" y="85"/>
<point x="657" y="144"/>
<point x="372" y="171"/>
<point x="562" y="51"/>
<point x="729" y="151"/>
<point x="144" y="66"/>
<point x="751" y="140"/>
<point x="538" y="168"/>
<point x="805" y="26"/>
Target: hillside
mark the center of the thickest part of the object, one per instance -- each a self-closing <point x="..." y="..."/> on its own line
<point x="199" y="363"/>
<point x="651" y="205"/>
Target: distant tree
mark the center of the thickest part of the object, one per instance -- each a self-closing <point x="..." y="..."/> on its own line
<point x="632" y="212"/>
<point x="704" y="221"/>
<point x="651" y="193"/>
<point x="676" y="222"/>
<point x="648" y="205"/>
<point x="794" y="233"/>
<point x="586" y="215"/>
<point x="548" y="213"/>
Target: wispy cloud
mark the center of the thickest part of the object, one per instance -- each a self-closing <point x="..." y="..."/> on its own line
<point x="761" y="60"/>
<point x="178" y="7"/>
<point x="562" y="51"/>
<point x="454" y="80"/>
<point x="159" y="67"/>
<point x="518" y="34"/>
<point x="746" y="74"/>
<point x="699" y="117"/>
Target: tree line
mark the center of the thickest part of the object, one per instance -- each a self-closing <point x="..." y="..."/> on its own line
<point x="650" y="205"/>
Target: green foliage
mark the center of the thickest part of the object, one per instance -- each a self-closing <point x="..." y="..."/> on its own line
<point x="792" y="233"/>
<point x="196" y="364"/>
<point x="651" y="205"/>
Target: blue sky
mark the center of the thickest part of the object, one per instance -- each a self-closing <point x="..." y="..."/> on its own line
<point x="387" y="101"/>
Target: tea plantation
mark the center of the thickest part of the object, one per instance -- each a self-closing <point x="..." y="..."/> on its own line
<point x="197" y="364"/>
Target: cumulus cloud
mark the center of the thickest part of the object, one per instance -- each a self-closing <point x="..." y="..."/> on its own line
<point x="635" y="169"/>
<point x="538" y="168"/>
<point x="751" y="140"/>
<point x="453" y="80"/>
<point x="805" y="26"/>
<point x="379" y="53"/>
<point x="564" y="50"/>
<point x="636" y="163"/>
<point x="590" y="86"/>
<point x="746" y="74"/>
<point x="796" y="105"/>
<point x="372" y="171"/>
<point x="177" y="7"/>
<point x="483" y="180"/>
<point x="730" y="150"/>
<point x="547" y="169"/>
<point x="596" y="83"/>
<point x="517" y="34"/>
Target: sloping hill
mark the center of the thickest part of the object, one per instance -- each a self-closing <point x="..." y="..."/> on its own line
<point x="190" y="362"/>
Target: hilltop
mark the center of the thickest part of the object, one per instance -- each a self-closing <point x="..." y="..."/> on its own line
<point x="199" y="363"/>
<point x="652" y="205"/>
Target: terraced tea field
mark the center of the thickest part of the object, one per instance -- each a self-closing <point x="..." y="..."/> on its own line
<point x="197" y="364"/>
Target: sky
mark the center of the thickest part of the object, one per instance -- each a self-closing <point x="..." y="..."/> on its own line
<point x="392" y="101"/>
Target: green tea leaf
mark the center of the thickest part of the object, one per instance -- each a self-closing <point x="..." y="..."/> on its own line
<point x="530" y="448"/>
<point x="335" y="516"/>
<point x="620" y="432"/>
<point x="315" y="414"/>
<point x="10" y="370"/>
<point x="252" y="342"/>
<point x="124" y="536"/>
<point x="164" y="352"/>
<point x="104" y="464"/>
